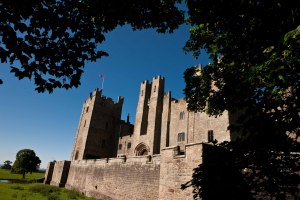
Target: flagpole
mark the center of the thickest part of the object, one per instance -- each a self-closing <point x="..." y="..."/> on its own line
<point x="102" y="82"/>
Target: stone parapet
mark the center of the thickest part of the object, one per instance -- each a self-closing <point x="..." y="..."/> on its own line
<point x="60" y="173"/>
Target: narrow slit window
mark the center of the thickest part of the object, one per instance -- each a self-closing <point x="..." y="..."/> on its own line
<point x="210" y="136"/>
<point x="181" y="115"/>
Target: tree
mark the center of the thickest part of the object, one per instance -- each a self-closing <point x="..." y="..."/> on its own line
<point x="50" y="41"/>
<point x="254" y="47"/>
<point x="6" y="164"/>
<point x="26" y="161"/>
<point x="254" y="50"/>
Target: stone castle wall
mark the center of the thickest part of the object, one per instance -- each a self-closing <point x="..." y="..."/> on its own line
<point x="143" y="177"/>
<point x="116" y="178"/>
<point x="60" y="173"/>
<point x="176" y="169"/>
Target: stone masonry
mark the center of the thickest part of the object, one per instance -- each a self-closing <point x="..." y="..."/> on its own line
<point x="113" y="159"/>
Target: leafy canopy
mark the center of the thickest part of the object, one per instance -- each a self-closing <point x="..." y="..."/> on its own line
<point x="6" y="164"/>
<point x="26" y="161"/>
<point x="254" y="47"/>
<point x="50" y="41"/>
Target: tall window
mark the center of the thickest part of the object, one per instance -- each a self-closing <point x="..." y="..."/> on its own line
<point x="142" y="92"/>
<point x="84" y="123"/>
<point x="210" y="135"/>
<point x="120" y="146"/>
<point x="181" y="115"/>
<point x="103" y="144"/>
<point x="155" y="88"/>
<point x="129" y="145"/>
<point x="181" y="137"/>
<point x="87" y="109"/>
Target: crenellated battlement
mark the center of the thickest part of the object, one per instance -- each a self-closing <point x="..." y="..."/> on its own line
<point x="97" y="93"/>
<point x="158" y="77"/>
<point x="178" y="101"/>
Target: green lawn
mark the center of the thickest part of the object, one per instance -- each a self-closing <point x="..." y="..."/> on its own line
<point x="33" y="191"/>
<point x="37" y="191"/>
<point x="6" y="174"/>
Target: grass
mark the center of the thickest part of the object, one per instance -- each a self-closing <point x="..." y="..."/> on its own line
<point x="34" y="191"/>
<point x="6" y="174"/>
<point x="37" y="191"/>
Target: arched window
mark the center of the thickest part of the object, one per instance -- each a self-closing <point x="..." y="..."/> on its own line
<point x="142" y="149"/>
<point x="181" y="115"/>
<point x="181" y="137"/>
<point x="155" y="88"/>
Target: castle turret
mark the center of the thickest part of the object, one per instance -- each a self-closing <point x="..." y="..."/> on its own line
<point x="98" y="127"/>
<point x="148" y="117"/>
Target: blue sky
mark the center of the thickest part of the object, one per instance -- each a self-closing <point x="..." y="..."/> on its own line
<point x="47" y="123"/>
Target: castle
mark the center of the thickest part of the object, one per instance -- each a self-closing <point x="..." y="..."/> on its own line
<point x="114" y="159"/>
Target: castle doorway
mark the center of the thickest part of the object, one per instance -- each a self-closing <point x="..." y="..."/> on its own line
<point x="141" y="150"/>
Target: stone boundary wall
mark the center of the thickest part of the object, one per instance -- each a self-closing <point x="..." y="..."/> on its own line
<point x="176" y="170"/>
<point x="60" y="173"/>
<point x="116" y="178"/>
<point x="49" y="173"/>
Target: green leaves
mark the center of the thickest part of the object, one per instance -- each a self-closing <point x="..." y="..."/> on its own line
<point x="255" y="66"/>
<point x="51" y="41"/>
<point x="26" y="161"/>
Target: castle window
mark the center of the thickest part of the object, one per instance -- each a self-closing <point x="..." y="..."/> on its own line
<point x="210" y="135"/>
<point x="142" y="92"/>
<point x="129" y="145"/>
<point x="87" y="109"/>
<point x="181" y="137"/>
<point x="84" y="123"/>
<point x="181" y="115"/>
<point x="103" y="144"/>
<point x="120" y="146"/>
<point x="76" y="155"/>
<point x="155" y="88"/>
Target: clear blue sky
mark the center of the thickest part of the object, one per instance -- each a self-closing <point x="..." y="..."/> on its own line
<point x="47" y="123"/>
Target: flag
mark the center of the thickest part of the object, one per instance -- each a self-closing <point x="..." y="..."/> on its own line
<point x="101" y="76"/>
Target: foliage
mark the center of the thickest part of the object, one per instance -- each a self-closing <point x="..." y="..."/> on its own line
<point x="235" y="171"/>
<point x="6" y="164"/>
<point x="26" y="161"/>
<point x="50" y="41"/>
<point x="45" y="190"/>
<point x="254" y="47"/>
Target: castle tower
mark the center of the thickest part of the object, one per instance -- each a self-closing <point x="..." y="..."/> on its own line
<point x="148" y="117"/>
<point x="165" y="127"/>
<point x="98" y="128"/>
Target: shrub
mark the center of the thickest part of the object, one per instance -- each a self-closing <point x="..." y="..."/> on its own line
<point x="72" y="194"/>
<point x="17" y="187"/>
<point x="45" y="190"/>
